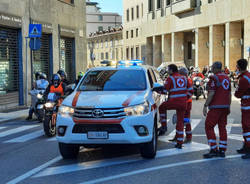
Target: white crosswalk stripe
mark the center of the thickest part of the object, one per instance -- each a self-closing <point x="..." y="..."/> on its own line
<point x="117" y="161"/>
<point x="17" y="130"/>
<point x="27" y="137"/>
<point x="2" y="128"/>
<point x="229" y="127"/>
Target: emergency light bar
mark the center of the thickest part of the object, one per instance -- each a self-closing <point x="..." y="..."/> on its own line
<point x="135" y="62"/>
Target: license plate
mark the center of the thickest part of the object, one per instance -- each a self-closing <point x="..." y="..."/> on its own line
<point x="97" y="135"/>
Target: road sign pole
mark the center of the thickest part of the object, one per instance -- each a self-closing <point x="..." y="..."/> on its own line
<point x="26" y="62"/>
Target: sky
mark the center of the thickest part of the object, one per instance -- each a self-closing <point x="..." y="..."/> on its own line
<point x="110" y="5"/>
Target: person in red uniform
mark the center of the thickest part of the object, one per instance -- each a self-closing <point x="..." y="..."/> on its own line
<point x="226" y="70"/>
<point x="197" y="73"/>
<point x="176" y="85"/>
<point x="187" y="124"/>
<point x="218" y="101"/>
<point x="243" y="92"/>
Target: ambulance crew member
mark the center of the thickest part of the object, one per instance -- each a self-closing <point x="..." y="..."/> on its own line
<point x="218" y="102"/>
<point x="243" y="92"/>
<point x="176" y="84"/>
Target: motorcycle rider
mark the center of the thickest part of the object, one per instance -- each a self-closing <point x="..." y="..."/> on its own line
<point x="57" y="86"/>
<point x="63" y="76"/>
<point x="177" y="85"/>
<point x="197" y="73"/>
<point x="39" y="86"/>
<point x="79" y="77"/>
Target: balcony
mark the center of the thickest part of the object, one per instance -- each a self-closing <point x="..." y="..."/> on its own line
<point x="181" y="6"/>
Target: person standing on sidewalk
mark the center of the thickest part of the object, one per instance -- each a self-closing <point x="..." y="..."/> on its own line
<point x="218" y="101"/>
<point x="243" y="92"/>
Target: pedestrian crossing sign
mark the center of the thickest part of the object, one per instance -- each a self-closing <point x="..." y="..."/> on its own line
<point x="35" y="30"/>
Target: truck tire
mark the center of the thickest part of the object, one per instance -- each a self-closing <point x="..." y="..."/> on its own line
<point x="148" y="150"/>
<point x="68" y="151"/>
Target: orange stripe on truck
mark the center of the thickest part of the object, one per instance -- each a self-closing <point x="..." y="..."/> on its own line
<point x="75" y="98"/>
<point x="129" y="100"/>
<point x="94" y="121"/>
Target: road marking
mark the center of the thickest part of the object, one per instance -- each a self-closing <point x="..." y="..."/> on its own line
<point x="2" y="128"/>
<point x="34" y="171"/>
<point x="118" y="161"/>
<point x="27" y="137"/>
<point x="236" y="99"/>
<point x="194" y="124"/>
<point x="236" y="137"/>
<point x="16" y="130"/>
<point x="52" y="139"/>
<point x="101" y="180"/>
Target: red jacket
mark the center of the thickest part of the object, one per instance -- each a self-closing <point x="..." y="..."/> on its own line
<point x="177" y="86"/>
<point x="190" y="90"/>
<point x="198" y="75"/>
<point x="221" y="84"/>
<point x="243" y="91"/>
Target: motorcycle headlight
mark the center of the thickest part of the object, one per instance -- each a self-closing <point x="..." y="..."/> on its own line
<point x="49" y="105"/>
<point x="39" y="96"/>
<point x="66" y="110"/>
<point x="137" y="110"/>
<point x="197" y="83"/>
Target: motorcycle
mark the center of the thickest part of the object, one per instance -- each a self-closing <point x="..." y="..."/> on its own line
<point x="37" y="103"/>
<point x="234" y="79"/>
<point x="51" y="106"/>
<point x="198" y="87"/>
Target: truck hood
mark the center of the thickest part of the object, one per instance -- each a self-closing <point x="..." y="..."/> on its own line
<point x="106" y="99"/>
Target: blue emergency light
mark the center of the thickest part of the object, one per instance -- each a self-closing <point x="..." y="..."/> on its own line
<point x="135" y="62"/>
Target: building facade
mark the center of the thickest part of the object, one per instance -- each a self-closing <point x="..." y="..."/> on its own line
<point x="105" y="45"/>
<point x="196" y="32"/>
<point x="99" y="21"/>
<point x="63" y="44"/>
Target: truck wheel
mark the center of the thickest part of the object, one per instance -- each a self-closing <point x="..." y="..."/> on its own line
<point x="69" y="151"/>
<point x="148" y="150"/>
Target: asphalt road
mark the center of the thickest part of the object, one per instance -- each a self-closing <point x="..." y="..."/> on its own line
<point x="28" y="156"/>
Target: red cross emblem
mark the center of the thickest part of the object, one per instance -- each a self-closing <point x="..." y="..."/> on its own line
<point x="225" y="84"/>
<point x="180" y="82"/>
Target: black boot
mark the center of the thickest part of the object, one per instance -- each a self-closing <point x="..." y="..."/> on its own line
<point x="242" y="150"/>
<point x="211" y="154"/>
<point x="247" y="154"/>
<point x="221" y="153"/>
<point x="162" y="130"/>
<point x="178" y="146"/>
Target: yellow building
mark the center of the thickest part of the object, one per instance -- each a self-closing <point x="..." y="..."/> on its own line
<point x="105" y="45"/>
<point x="196" y="32"/>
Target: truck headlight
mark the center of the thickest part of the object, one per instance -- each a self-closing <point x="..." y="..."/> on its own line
<point x="66" y="110"/>
<point x="137" y="110"/>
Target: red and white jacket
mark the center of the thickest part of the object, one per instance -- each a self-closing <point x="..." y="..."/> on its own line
<point x="243" y="90"/>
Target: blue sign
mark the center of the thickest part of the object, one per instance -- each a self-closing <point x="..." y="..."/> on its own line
<point x="35" y="43"/>
<point x="35" y="30"/>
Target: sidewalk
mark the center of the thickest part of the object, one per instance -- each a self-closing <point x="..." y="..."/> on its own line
<point x="13" y="115"/>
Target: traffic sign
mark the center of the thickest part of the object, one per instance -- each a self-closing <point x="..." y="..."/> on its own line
<point x="35" y="30"/>
<point x="35" y="43"/>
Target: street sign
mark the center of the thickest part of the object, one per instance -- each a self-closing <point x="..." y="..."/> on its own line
<point x="35" y="43"/>
<point x="35" y="30"/>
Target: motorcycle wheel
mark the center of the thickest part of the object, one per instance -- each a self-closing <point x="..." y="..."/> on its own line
<point x="49" y="128"/>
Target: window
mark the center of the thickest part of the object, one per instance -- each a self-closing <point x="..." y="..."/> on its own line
<point x="100" y="18"/>
<point x="137" y="32"/>
<point x="210" y="1"/>
<point x="137" y="12"/>
<point x="132" y="34"/>
<point x="102" y="44"/>
<point x="168" y="2"/>
<point x="106" y="43"/>
<point x="132" y="13"/>
<point x="102" y="56"/>
<point x="97" y="44"/>
<point x="150" y="5"/>
<point x="100" y="28"/>
<point x="109" y="27"/>
<point x="127" y="53"/>
<point x="106" y="55"/>
<point x="127" y="34"/>
<point x="158" y="4"/>
<point x="127" y="15"/>
<point x="137" y="53"/>
<point x="132" y="53"/>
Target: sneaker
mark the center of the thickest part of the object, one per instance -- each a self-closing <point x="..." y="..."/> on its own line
<point x="178" y="146"/>
<point x="221" y="153"/>
<point x="174" y="139"/>
<point x="162" y="130"/>
<point x="211" y="154"/>
<point x="246" y="156"/>
<point x="187" y="141"/>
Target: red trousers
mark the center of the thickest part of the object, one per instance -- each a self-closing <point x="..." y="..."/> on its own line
<point x="245" y="120"/>
<point x="187" y="123"/>
<point x="214" y="117"/>
<point x="180" y="111"/>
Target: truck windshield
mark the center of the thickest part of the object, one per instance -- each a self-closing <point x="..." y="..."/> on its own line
<point x="114" y="80"/>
